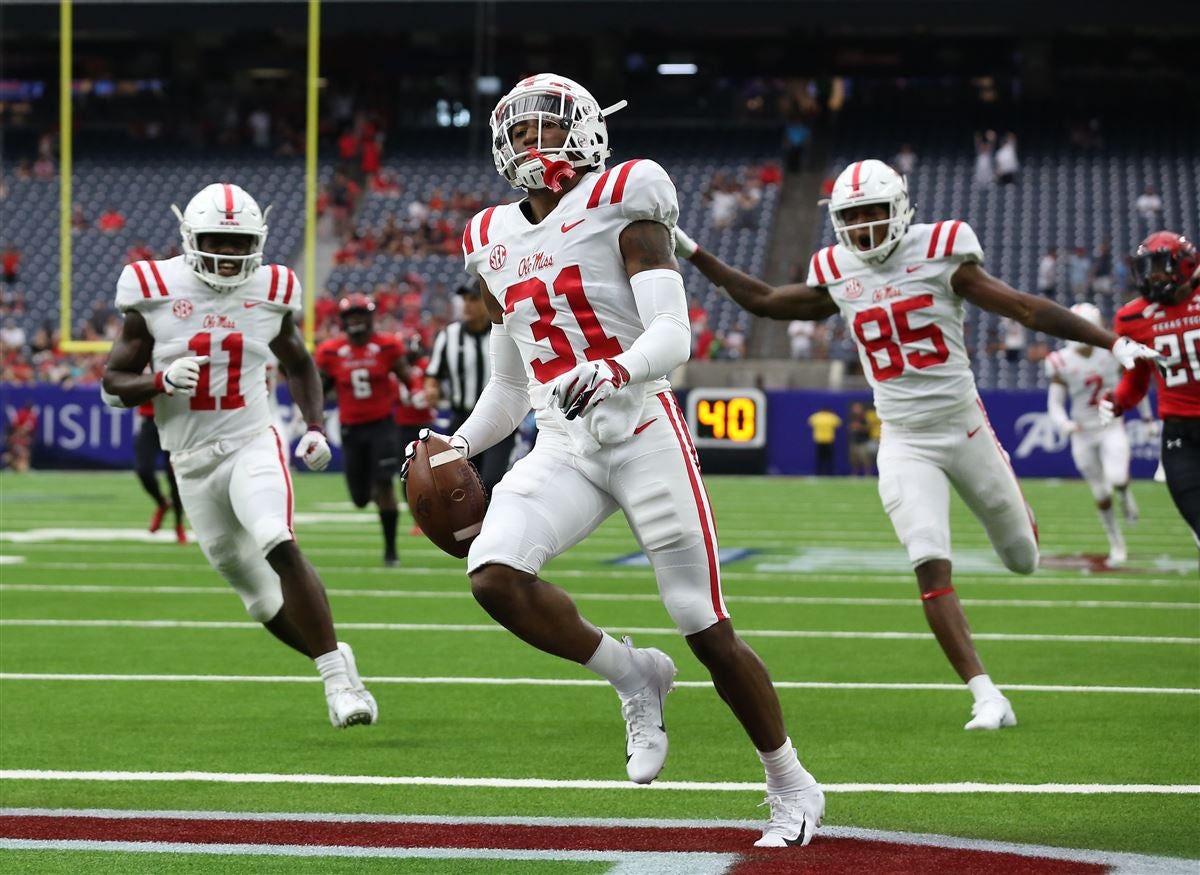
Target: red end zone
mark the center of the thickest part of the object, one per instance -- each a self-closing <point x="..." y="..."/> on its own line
<point x="829" y="856"/>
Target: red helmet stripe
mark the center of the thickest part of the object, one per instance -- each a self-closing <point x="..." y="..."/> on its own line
<point x="484" y="224"/>
<point x="137" y="268"/>
<point x="162" y="287"/>
<point x="933" y="241"/>
<point x="274" y="282"/>
<point x="950" y="239"/>
<point x="816" y="264"/>
<point x="622" y="176"/>
<point x="598" y="190"/>
<point x="228" y="200"/>
<point x="855" y="175"/>
<point x="833" y="268"/>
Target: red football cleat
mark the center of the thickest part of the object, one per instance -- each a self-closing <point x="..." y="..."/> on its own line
<point x="156" y="520"/>
<point x="180" y="534"/>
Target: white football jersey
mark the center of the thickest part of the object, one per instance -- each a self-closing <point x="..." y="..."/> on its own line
<point x="1087" y="378"/>
<point x="906" y="319"/>
<point x="562" y="283"/>
<point x="187" y="317"/>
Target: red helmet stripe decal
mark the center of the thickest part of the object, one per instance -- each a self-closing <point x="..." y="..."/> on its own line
<point x="228" y="200"/>
<point x="856" y="174"/>
<point x="837" y="274"/>
<point x="933" y="241"/>
<point x="287" y="294"/>
<point x="950" y="239"/>
<point x="622" y="176"/>
<point x="484" y="224"/>
<point x="816" y="264"/>
<point x="162" y="287"/>
<point x="598" y="190"/>
<point x="274" y="282"/>
<point x="137" y="268"/>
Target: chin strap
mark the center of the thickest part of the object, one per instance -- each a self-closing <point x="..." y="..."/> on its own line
<point x="555" y="173"/>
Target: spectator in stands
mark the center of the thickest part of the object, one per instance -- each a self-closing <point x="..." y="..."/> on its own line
<point x="749" y="200"/>
<point x="10" y="264"/>
<point x="12" y="335"/>
<point x="734" y="342"/>
<point x="371" y="156"/>
<point x="79" y="219"/>
<point x="800" y="336"/>
<point x="1013" y="334"/>
<point x="906" y="159"/>
<point x="111" y="221"/>
<point x="770" y="174"/>
<point x="1149" y="206"/>
<point x="18" y="445"/>
<point x="860" y="437"/>
<point x="343" y="195"/>
<point x="1102" y="269"/>
<point x="1007" y="164"/>
<point x="824" y="424"/>
<point x="703" y="338"/>
<point x="43" y="169"/>
<point x="1047" y="274"/>
<point x="138" y="251"/>
<point x="985" y="170"/>
<point x="24" y="171"/>
<point x="722" y="199"/>
<point x="1079" y="273"/>
<point x="385" y="183"/>
<point x="1122" y="271"/>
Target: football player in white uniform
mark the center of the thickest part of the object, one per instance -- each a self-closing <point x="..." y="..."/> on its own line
<point x="589" y="316"/>
<point x="902" y="289"/>
<point x="1100" y="450"/>
<point x="208" y="322"/>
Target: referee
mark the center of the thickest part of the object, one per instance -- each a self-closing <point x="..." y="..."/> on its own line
<point x="459" y="368"/>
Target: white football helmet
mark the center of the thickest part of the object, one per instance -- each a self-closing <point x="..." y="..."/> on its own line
<point x="871" y="182"/>
<point x="548" y="96"/>
<point x="222" y="208"/>
<point x="1091" y="313"/>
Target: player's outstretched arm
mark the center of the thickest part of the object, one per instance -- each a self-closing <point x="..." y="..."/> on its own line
<point x="124" y="375"/>
<point x="793" y="301"/>
<point x="304" y="381"/>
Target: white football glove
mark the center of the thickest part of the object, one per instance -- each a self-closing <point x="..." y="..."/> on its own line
<point x="1129" y="352"/>
<point x="458" y="443"/>
<point x="313" y="450"/>
<point x="581" y="389"/>
<point x="1070" y="427"/>
<point x="182" y="375"/>
<point x="1109" y="408"/>
<point x="685" y="246"/>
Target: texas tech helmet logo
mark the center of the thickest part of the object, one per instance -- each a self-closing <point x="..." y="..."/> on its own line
<point x="182" y="308"/>
<point x="497" y="257"/>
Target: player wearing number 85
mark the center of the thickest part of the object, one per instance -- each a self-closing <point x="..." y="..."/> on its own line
<point x="902" y="289"/>
<point x="589" y="317"/>
<point x="207" y="322"/>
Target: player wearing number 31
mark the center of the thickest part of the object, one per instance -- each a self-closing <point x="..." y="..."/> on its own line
<point x="207" y="323"/>
<point x="589" y="316"/>
<point x="901" y="288"/>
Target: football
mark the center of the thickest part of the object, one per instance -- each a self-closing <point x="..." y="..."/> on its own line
<point x="445" y="496"/>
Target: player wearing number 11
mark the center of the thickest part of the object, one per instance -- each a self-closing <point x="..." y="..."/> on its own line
<point x="902" y="289"/>
<point x="207" y="322"/>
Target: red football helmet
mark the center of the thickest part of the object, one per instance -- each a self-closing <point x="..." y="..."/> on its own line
<point x="357" y="303"/>
<point x="1163" y="265"/>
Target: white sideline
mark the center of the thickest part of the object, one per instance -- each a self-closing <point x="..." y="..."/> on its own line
<point x="1119" y="863"/>
<point x="585" y="784"/>
<point x="1053" y="604"/>
<point x="573" y="682"/>
<point x="632" y="630"/>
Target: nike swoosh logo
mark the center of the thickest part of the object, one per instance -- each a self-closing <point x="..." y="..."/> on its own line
<point x="911" y="269"/>
<point x="565" y="227"/>
<point x="249" y="304"/>
<point x="971" y="433"/>
<point x="645" y="425"/>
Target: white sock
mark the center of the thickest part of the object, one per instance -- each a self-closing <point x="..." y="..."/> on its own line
<point x="981" y="688"/>
<point x="784" y="772"/>
<point x="1109" y="520"/>
<point x="614" y="661"/>
<point x="1127" y="503"/>
<point x="332" y="666"/>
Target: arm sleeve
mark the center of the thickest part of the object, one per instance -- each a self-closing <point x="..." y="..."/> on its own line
<point x="1056" y="399"/>
<point x="1134" y="385"/>
<point x="666" y="342"/>
<point x="504" y="401"/>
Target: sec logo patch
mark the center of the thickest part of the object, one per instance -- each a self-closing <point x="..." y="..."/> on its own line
<point x="182" y="308"/>
<point x="497" y="257"/>
<point x="854" y="289"/>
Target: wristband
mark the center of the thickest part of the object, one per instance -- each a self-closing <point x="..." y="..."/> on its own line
<point x="316" y="426"/>
<point x="160" y="382"/>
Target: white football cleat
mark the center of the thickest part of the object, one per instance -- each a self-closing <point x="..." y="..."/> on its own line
<point x="350" y="707"/>
<point x="357" y="686"/>
<point x="645" y="734"/>
<point x="794" y="818"/>
<point x="1116" y="557"/>
<point x="993" y="713"/>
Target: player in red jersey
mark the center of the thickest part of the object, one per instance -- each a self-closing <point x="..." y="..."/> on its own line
<point x="146" y="449"/>
<point x="1167" y="317"/>
<point x="363" y="367"/>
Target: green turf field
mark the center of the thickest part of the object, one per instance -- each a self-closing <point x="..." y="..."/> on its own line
<point x="462" y="699"/>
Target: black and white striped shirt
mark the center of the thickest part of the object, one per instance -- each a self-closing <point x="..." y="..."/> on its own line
<point x="460" y="361"/>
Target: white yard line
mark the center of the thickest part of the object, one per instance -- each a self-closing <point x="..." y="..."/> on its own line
<point x="632" y="630"/>
<point x="461" y="594"/>
<point x="573" y="682"/>
<point x="585" y="784"/>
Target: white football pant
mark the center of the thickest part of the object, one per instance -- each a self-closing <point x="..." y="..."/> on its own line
<point x="1102" y="457"/>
